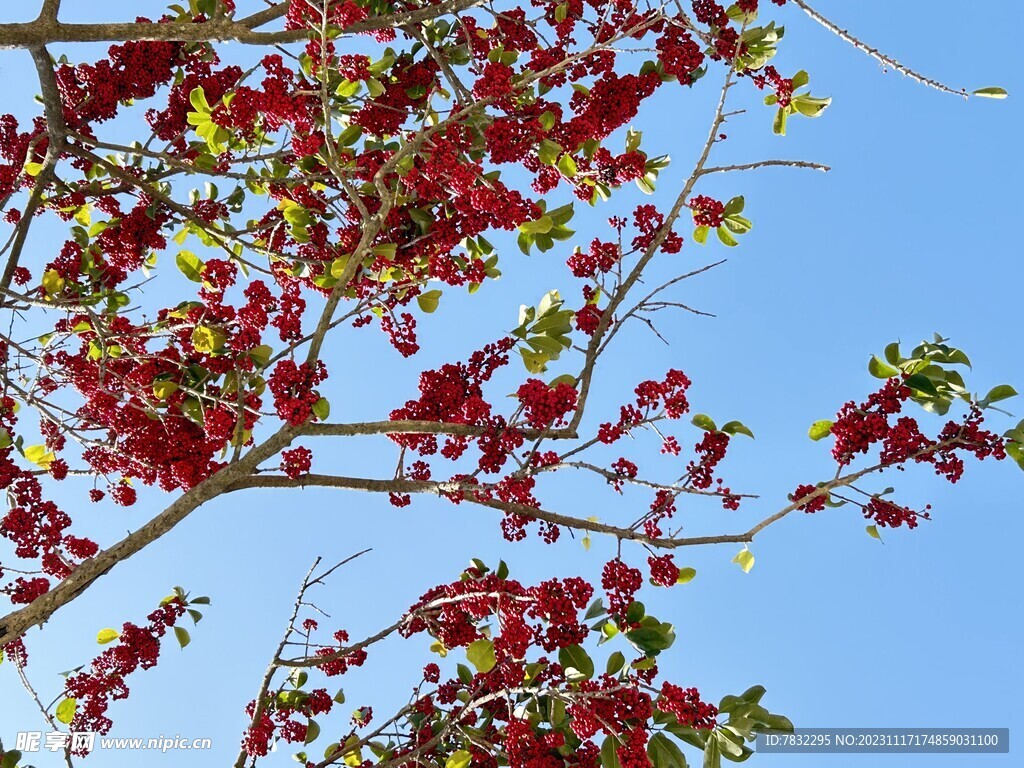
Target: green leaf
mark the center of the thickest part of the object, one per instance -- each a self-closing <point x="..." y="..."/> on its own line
<point x="1002" y="392"/>
<point x="458" y="759"/>
<point x="665" y="753"/>
<point x="873" y="532"/>
<point x="183" y="636"/>
<point x="809" y="106"/>
<point x="10" y="759"/>
<point x="744" y="559"/>
<point x="387" y="250"/>
<point x="753" y="694"/>
<point x="322" y="408"/>
<point x="480" y="654"/>
<point x="881" y="369"/>
<point x="534" y="362"/>
<point x="921" y="383"/>
<point x="737" y="428"/>
<point x="1016" y="452"/>
<point x="540" y="226"/>
<point x="574" y="656"/>
<point x="778" y="723"/>
<point x="633" y="139"/>
<point x="652" y="637"/>
<point x="738" y="224"/>
<point x="105" y="636"/>
<point x="66" y="710"/>
<point x="726" y="237"/>
<point x="712" y="754"/>
<point x="609" y="757"/>
<point x="261" y="354"/>
<point x="735" y="205"/>
<point x="892" y="353"/>
<point x="705" y="422"/>
<point x="567" y="165"/>
<point x="556" y="712"/>
<point x="548" y="151"/>
<point x="191" y="266"/>
<point x="700" y="234"/>
<point x="615" y="663"/>
<point x="778" y="127"/>
<point x="636" y="612"/>
<point x="351" y="134"/>
<point x="429" y="300"/>
<point x="686" y="575"/>
<point x="197" y="98"/>
<point x="820" y="429"/>
<point x="594" y="610"/>
<point x="312" y="731"/>
<point x="992" y="93"/>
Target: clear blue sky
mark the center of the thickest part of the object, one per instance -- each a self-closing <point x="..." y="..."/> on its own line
<point x="914" y="231"/>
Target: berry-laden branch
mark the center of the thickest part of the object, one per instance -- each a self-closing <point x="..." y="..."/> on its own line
<point x="528" y="693"/>
<point x="329" y="185"/>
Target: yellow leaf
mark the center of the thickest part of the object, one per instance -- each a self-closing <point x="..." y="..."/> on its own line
<point x="744" y="559"/>
<point x="354" y="758"/>
<point x="53" y="283"/>
<point x="108" y="635"/>
<point x="39" y="456"/>
<point x="66" y="710"/>
<point x="164" y="389"/>
<point x="458" y="759"/>
<point x="438" y="647"/>
<point x="207" y="340"/>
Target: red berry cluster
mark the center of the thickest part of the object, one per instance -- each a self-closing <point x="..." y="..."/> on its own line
<point x="620" y="583"/>
<point x="887" y="514"/>
<point x="664" y="571"/>
<point x="296" y="462"/>
<point x="293" y="388"/>
<point x="707" y="212"/>
<point x="687" y="706"/>
<point x="104" y="681"/>
<point x="545" y="406"/>
<point x="811" y="505"/>
<point x="276" y="718"/>
<point x="649" y="222"/>
<point x="600" y="257"/>
<point x="710" y="450"/>
<point x="679" y="54"/>
<point x="36" y="526"/>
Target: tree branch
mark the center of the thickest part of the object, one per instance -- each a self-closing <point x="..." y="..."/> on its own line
<point x="876" y="54"/>
<point x="44" y="30"/>
<point x="412" y="427"/>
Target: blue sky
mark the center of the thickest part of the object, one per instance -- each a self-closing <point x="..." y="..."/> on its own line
<point x="914" y="231"/>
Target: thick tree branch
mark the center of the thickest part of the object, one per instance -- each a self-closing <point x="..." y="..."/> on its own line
<point x="14" y="624"/>
<point x="43" y="30"/>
